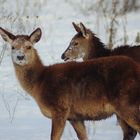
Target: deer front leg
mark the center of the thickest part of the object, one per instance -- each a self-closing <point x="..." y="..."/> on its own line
<point x="128" y="132"/>
<point x="58" y="124"/>
<point x="80" y="129"/>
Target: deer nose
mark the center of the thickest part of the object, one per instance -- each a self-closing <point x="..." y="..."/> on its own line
<point x="63" y="56"/>
<point x="20" y="57"/>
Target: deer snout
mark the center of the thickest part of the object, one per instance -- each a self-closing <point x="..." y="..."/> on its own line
<point x="63" y="56"/>
<point x="20" y="57"/>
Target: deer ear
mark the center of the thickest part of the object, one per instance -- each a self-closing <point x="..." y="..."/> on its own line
<point x="35" y="35"/>
<point x="76" y="27"/>
<point x="7" y="36"/>
<point x="83" y="30"/>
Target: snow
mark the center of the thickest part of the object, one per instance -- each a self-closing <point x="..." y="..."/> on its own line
<point x="20" y="117"/>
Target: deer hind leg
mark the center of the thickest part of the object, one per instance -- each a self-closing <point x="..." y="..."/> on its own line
<point x="128" y="132"/>
<point x="134" y="122"/>
<point x="130" y="113"/>
<point x="80" y="129"/>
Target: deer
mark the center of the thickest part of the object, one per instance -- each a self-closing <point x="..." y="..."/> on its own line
<point x="78" y="91"/>
<point x="86" y="45"/>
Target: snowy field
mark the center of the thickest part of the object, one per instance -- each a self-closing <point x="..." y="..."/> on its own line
<point x="20" y="117"/>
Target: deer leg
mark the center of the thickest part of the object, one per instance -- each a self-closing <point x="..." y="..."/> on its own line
<point x="80" y="129"/>
<point x="128" y="132"/>
<point x="134" y="122"/>
<point x="58" y="124"/>
<point x="57" y="129"/>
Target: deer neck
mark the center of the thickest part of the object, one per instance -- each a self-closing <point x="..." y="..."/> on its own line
<point x="97" y="49"/>
<point x="102" y="51"/>
<point x="28" y="75"/>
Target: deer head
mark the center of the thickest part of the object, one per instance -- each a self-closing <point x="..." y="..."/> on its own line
<point x="79" y="45"/>
<point x="22" y="46"/>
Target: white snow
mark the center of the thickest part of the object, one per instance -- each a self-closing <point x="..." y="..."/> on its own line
<point x="20" y="117"/>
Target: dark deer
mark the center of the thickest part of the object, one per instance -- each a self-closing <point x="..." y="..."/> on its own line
<point x="86" y="45"/>
<point x="91" y="90"/>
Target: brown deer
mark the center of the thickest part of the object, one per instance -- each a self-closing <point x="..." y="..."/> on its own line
<point x="86" y="45"/>
<point x="91" y="90"/>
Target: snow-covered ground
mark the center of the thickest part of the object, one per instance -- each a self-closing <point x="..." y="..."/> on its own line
<point x="20" y="117"/>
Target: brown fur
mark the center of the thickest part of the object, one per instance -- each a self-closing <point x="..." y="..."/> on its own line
<point x="87" y="43"/>
<point x="99" y="89"/>
<point x="92" y="46"/>
<point x="91" y="90"/>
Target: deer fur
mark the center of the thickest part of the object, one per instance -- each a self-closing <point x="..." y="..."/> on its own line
<point x="91" y="90"/>
<point x="85" y="44"/>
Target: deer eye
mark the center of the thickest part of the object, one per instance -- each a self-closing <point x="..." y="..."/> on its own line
<point x="13" y="47"/>
<point x="75" y="43"/>
<point x="28" y="47"/>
